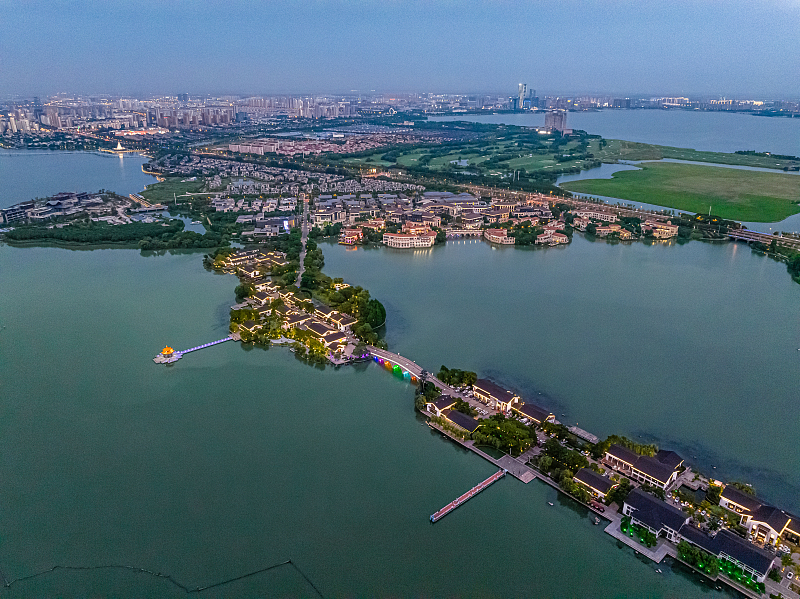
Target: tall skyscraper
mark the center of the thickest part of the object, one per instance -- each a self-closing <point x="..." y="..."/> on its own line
<point x="523" y="88"/>
<point x="556" y="120"/>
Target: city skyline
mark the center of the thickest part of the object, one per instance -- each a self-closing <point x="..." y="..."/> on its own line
<point x="619" y="48"/>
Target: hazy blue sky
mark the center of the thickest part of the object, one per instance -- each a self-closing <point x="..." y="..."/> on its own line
<point x="166" y="46"/>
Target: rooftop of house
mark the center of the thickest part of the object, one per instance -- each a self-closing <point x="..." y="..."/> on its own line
<point x="659" y="467"/>
<point x="596" y="481"/>
<point x="487" y="387"/>
<point x="250" y="324"/>
<point x="319" y="329"/>
<point x="322" y="309"/>
<point x="623" y="454"/>
<point x="775" y="518"/>
<point x="444" y="402"/>
<point x="534" y="412"/>
<point x="729" y="543"/>
<point x="460" y="419"/>
<point x="655" y="513"/>
<point x="749" y="502"/>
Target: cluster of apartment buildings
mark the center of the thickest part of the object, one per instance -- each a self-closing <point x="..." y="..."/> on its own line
<point x="337" y="143"/>
<point x="61" y="204"/>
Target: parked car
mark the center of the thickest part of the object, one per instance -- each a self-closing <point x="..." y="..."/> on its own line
<point x="790" y="575"/>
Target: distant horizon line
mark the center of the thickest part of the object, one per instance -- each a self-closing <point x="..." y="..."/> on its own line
<point x="507" y="93"/>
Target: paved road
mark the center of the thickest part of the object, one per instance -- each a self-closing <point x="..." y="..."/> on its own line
<point x="416" y="370"/>
<point x="303" y="238"/>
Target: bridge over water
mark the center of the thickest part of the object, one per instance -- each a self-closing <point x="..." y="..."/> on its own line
<point x="750" y="236"/>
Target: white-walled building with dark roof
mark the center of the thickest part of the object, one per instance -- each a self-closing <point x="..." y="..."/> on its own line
<point x="658" y="471"/>
<point x="597" y="484"/>
<point x="660" y="518"/>
<point x="765" y="523"/>
<point x="728" y="546"/>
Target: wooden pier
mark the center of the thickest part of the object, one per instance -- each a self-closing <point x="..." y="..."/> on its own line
<point x="467" y="496"/>
<point x="163" y="358"/>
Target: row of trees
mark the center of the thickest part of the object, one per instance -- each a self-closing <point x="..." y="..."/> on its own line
<point x="506" y="434"/>
<point x="456" y="377"/>
<point x="599" y="449"/>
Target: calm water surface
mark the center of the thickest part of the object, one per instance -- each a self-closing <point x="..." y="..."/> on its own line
<point x="27" y="174"/>
<point x="233" y="459"/>
<point x="678" y="344"/>
<point x="707" y="131"/>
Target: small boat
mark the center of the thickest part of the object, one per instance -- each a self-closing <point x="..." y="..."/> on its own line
<point x="196" y="222"/>
<point x="596" y="520"/>
<point x="549" y="503"/>
<point x="658" y="571"/>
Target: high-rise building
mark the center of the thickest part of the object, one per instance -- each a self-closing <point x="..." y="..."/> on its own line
<point x="523" y="88"/>
<point x="556" y="120"/>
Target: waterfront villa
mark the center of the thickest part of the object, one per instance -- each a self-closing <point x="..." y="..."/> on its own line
<point x="351" y="236"/>
<point x="295" y="320"/>
<point x="765" y="523"/>
<point x="334" y="340"/>
<point x="534" y="413"/>
<point x="659" y="229"/>
<point x="261" y="297"/>
<point x="413" y="228"/>
<point x="251" y="272"/>
<point x="494" y="395"/>
<point x="660" y="518"/>
<point x="607" y="217"/>
<point x="552" y="238"/>
<point x="405" y="241"/>
<point x="250" y="326"/>
<point x="659" y="471"/>
<point x="606" y="230"/>
<point x="727" y="546"/>
<point x="375" y="224"/>
<point x="598" y="485"/>
<point x="499" y="236"/>
<point x="444" y="402"/>
<point x="461" y="420"/>
<point x="323" y="312"/>
<point x="342" y="321"/>
<point x="319" y="329"/>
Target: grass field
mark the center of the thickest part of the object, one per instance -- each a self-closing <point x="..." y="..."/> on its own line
<point x="731" y="193"/>
<point x="163" y="190"/>
<point x="629" y="150"/>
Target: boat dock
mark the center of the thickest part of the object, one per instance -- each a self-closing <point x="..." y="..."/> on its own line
<point x="170" y="356"/>
<point x="467" y="496"/>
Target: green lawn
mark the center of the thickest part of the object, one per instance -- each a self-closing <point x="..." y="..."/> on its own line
<point x="630" y="150"/>
<point x="731" y="193"/>
<point x="163" y="191"/>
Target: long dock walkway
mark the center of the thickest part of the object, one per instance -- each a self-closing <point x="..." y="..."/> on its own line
<point x="177" y="355"/>
<point x="205" y="345"/>
<point x="467" y="496"/>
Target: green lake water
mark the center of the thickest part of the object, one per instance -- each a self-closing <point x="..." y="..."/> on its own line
<point x="28" y="174"/>
<point x="232" y="460"/>
<point x="692" y="346"/>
